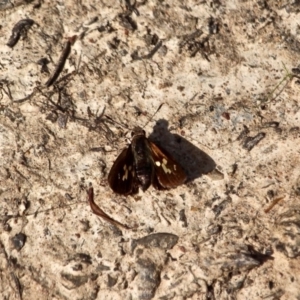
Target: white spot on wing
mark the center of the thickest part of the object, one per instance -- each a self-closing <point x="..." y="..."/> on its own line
<point x="125" y="177"/>
<point x="164" y="166"/>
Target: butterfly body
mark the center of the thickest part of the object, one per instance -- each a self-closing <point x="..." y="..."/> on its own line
<point x="141" y="164"/>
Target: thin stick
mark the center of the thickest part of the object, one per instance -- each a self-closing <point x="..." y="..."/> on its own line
<point x="273" y="203"/>
<point x="62" y="60"/>
<point x="99" y="212"/>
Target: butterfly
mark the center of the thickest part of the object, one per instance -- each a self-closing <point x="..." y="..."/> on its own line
<point x="143" y="163"/>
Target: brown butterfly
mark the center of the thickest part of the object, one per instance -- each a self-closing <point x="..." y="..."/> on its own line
<point x="141" y="164"/>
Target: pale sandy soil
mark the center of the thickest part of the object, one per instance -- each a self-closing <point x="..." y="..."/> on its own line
<point x="221" y="66"/>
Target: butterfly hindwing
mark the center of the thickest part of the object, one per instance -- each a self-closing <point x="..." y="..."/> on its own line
<point x="168" y="173"/>
<point x="122" y="177"/>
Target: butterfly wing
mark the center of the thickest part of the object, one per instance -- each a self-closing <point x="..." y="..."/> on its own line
<point x="122" y="176"/>
<point x="168" y="173"/>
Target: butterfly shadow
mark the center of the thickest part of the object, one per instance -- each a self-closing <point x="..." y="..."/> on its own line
<point x="194" y="161"/>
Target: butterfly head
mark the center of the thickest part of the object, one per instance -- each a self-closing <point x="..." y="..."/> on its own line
<point x="138" y="131"/>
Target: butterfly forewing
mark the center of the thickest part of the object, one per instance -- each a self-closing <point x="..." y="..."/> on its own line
<point x="121" y="177"/>
<point x="168" y="172"/>
<point x="144" y="163"/>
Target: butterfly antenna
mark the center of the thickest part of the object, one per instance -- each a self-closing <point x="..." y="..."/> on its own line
<point x="158" y="109"/>
<point x="112" y="121"/>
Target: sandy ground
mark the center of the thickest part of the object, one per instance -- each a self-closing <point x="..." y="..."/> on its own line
<point x="214" y="83"/>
